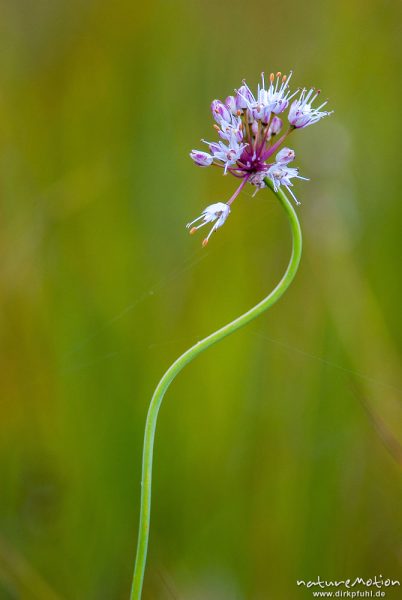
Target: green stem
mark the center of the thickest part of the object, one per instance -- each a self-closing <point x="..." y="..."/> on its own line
<point x="177" y="366"/>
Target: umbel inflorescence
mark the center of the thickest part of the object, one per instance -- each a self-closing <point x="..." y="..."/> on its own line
<point x="251" y="134"/>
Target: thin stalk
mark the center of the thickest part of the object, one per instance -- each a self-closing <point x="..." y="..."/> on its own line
<point x="182" y="361"/>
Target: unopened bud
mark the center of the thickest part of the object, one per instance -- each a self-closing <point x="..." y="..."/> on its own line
<point x="275" y="126"/>
<point x="285" y="156"/>
<point x="220" y="112"/>
<point x="202" y="159"/>
<point x="230" y="102"/>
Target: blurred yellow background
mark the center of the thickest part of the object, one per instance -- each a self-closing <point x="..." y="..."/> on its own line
<point x="277" y="453"/>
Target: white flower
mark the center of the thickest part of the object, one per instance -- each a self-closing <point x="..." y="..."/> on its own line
<point x="227" y="130"/>
<point x="285" y="156"/>
<point x="281" y="174"/>
<point x="278" y="95"/>
<point x="301" y="113"/>
<point x="217" y="212"/>
<point x="227" y="154"/>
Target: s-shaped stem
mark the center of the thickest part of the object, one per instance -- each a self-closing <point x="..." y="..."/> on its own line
<point x="182" y="361"/>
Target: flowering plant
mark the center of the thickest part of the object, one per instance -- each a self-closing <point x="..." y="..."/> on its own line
<point x="250" y="128"/>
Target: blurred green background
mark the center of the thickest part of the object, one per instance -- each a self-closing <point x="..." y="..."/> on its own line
<point x="277" y="453"/>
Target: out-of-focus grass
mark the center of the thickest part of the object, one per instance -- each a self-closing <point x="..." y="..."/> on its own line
<point x="267" y="466"/>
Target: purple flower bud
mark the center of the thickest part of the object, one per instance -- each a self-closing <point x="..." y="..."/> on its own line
<point x="244" y="97"/>
<point x="202" y="159"/>
<point x="254" y="127"/>
<point x="266" y="113"/>
<point x="275" y="126"/>
<point x="285" y="156"/>
<point x="230" y="102"/>
<point x="220" y="112"/>
<point x="258" y="111"/>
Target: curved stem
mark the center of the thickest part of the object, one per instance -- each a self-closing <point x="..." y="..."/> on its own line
<point x="182" y="361"/>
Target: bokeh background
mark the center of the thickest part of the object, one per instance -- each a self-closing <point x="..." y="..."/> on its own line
<point x="278" y="453"/>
